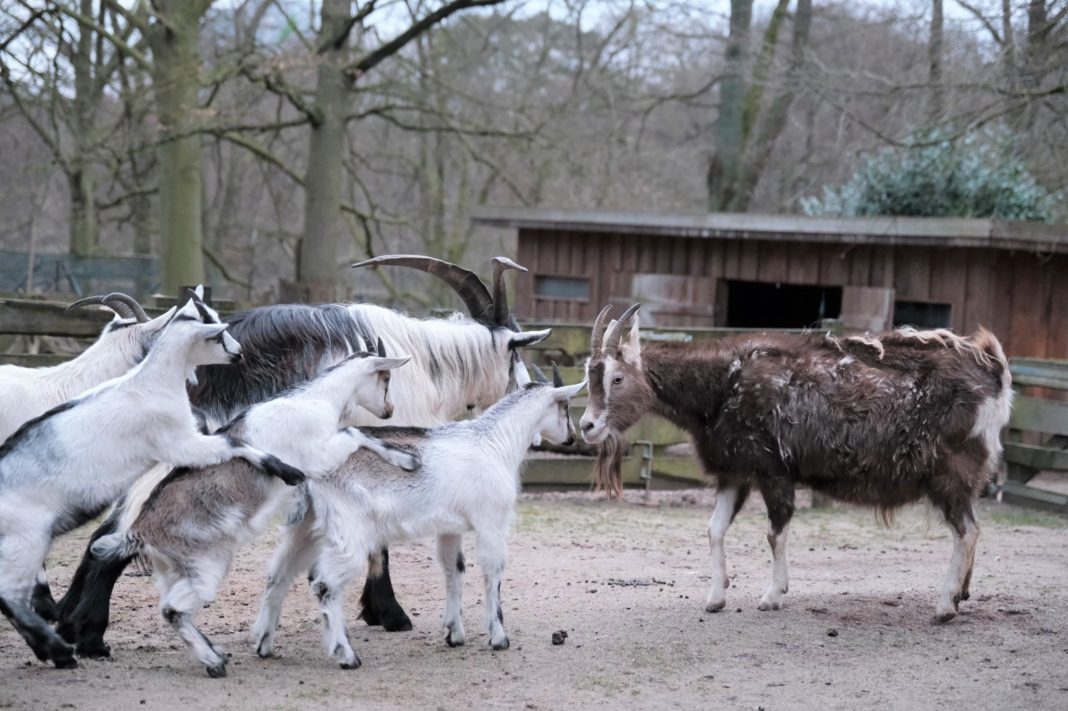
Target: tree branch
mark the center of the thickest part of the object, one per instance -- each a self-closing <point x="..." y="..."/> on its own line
<point x="370" y="61"/>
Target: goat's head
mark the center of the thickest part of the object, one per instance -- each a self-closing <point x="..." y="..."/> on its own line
<point x="489" y="309"/>
<point x="555" y="425"/>
<point x="619" y="393"/>
<point x="618" y="388"/>
<point x="369" y="382"/>
<point x="195" y="329"/>
<point x="131" y="333"/>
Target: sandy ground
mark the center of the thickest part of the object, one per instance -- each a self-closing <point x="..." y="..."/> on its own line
<point x="627" y="582"/>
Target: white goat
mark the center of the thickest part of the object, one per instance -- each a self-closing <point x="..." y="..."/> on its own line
<point x="469" y="480"/>
<point x="62" y="468"/>
<point x="195" y="520"/>
<point x="26" y="393"/>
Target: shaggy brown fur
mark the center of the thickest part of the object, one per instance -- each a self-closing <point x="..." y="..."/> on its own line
<point x="877" y="421"/>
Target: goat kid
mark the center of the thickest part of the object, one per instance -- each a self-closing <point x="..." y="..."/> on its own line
<point x="468" y="481"/>
<point x="878" y="421"/>
<point x="195" y="520"/>
<point x="61" y="469"/>
<point x="26" y="393"/>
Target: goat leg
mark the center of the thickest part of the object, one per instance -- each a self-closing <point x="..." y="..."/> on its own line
<point x="380" y="606"/>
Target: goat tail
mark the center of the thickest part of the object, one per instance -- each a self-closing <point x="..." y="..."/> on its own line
<point x="989" y="344"/>
<point x="117" y="546"/>
<point x="608" y="469"/>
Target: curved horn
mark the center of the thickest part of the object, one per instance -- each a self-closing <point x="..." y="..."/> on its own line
<point x="501" y="315"/>
<point x="122" y="304"/>
<point x="466" y="283"/>
<point x="596" y="339"/>
<point x="381" y="348"/>
<point x="615" y="329"/>
<point x="558" y="380"/>
<point x="539" y="377"/>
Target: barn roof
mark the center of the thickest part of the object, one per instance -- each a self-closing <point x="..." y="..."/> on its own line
<point x="911" y="231"/>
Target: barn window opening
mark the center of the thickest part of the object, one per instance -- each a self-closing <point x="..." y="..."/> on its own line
<point x="923" y="314"/>
<point x="557" y="287"/>
<point x="754" y="304"/>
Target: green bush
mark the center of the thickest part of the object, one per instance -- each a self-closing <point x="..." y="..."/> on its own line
<point x="979" y="175"/>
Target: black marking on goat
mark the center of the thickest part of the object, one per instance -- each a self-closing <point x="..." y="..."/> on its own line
<point x="118" y="325"/>
<point x="500" y="610"/>
<point x="71" y="519"/>
<point x="322" y="591"/>
<point x="43" y="603"/>
<point x="205" y="315"/>
<point x="28" y="427"/>
<point x="171" y="615"/>
<point x="460" y="565"/>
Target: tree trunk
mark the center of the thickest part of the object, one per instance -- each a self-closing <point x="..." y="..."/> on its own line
<point x="176" y="61"/>
<point x="937" y="107"/>
<point x="723" y="168"/>
<point x="317" y="265"/>
<point x="84" y="229"/>
<point x="757" y="159"/>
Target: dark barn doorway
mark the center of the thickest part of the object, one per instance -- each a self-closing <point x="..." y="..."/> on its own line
<point x="754" y="304"/>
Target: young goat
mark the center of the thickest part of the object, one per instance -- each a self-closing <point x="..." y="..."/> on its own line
<point x="468" y="481"/>
<point x="26" y="393"/>
<point x="62" y="468"/>
<point x="878" y="421"/>
<point x="195" y="520"/>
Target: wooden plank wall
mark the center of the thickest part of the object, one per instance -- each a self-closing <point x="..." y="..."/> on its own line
<point x="1022" y="297"/>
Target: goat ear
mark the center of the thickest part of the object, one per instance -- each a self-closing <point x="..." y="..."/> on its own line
<point x="210" y="330"/>
<point x="568" y="391"/>
<point x="522" y="375"/>
<point x="381" y="364"/>
<point x="527" y="338"/>
<point x="199" y="291"/>
<point x="631" y="349"/>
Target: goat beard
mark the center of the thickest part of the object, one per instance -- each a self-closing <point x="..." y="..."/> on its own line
<point x="608" y="469"/>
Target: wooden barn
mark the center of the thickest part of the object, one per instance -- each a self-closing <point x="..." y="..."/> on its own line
<point x="785" y="271"/>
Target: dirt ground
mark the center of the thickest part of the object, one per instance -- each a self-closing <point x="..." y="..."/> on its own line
<point x="627" y="582"/>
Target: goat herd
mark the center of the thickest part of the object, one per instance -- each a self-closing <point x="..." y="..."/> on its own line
<point x="169" y="421"/>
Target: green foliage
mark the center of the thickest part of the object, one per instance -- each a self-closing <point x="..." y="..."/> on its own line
<point x="979" y="175"/>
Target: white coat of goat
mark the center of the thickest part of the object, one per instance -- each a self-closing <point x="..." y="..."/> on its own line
<point x="64" y="467"/>
<point x="26" y="393"/>
<point x="469" y="481"/>
<point x="195" y="520"/>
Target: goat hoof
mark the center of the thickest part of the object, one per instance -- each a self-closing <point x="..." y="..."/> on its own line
<point x="965" y="595"/>
<point x="93" y="650"/>
<point x="65" y="662"/>
<point x="410" y="464"/>
<point x="498" y="646"/>
<point x="354" y="664"/>
<point x="944" y="617"/>
<point x="392" y="623"/>
<point x="449" y="641"/>
<point x="715" y="605"/>
<point x="264" y="653"/>
<point x="218" y="671"/>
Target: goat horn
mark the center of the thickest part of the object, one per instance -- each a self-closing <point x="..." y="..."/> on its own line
<point x="466" y="283"/>
<point x="501" y="315"/>
<point x="615" y="329"/>
<point x="539" y="376"/>
<point x="123" y="305"/>
<point x="558" y="380"/>
<point x="598" y="330"/>
<point x="381" y="348"/>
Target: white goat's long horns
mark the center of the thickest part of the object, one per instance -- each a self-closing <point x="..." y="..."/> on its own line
<point x="124" y="305"/>
<point x="480" y="304"/>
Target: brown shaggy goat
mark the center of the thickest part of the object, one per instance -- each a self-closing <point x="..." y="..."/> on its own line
<point x="878" y="421"/>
